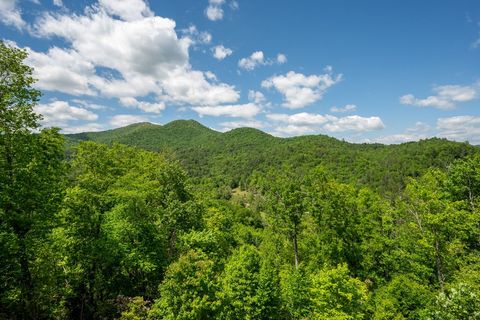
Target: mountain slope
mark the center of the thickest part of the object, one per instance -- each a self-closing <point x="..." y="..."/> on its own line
<point x="231" y="157"/>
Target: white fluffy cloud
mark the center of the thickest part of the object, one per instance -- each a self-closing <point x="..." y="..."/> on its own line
<point x="355" y="123"/>
<point x="300" y="90"/>
<point x="248" y="110"/>
<point x="344" y="109"/>
<point x="460" y="128"/>
<point x="64" y="70"/>
<point x="127" y="10"/>
<point x="144" y="47"/>
<point x="281" y="58"/>
<point x="257" y="59"/>
<point x="193" y="88"/>
<point x="10" y="14"/>
<point x="143" y="105"/>
<point x="122" y="120"/>
<point x="253" y="61"/>
<point x="61" y="113"/>
<point x="305" y="123"/>
<point x="196" y="36"/>
<point x="214" y="13"/>
<point x="220" y="52"/>
<point x="214" y="10"/>
<point x="256" y="97"/>
<point x="120" y="49"/>
<point x="446" y="97"/>
<point x="301" y="119"/>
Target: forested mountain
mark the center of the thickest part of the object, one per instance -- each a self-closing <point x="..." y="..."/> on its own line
<point x="232" y="157"/>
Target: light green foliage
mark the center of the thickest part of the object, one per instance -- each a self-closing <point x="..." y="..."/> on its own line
<point x="288" y="205"/>
<point x="376" y="230"/>
<point x="121" y="219"/>
<point x="437" y="226"/>
<point x="295" y="293"/>
<point x="336" y="295"/>
<point x="17" y="96"/>
<point x="336" y="214"/>
<point x="464" y="180"/>
<point x="401" y="298"/>
<point x="249" y="287"/>
<point x="188" y="291"/>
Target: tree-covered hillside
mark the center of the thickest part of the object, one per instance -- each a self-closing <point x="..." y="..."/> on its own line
<point x="231" y="157"/>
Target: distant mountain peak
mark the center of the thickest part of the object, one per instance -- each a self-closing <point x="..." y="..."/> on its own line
<point x="186" y="123"/>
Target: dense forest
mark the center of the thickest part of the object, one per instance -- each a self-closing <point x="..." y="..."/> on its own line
<point x="183" y="222"/>
<point x="230" y="158"/>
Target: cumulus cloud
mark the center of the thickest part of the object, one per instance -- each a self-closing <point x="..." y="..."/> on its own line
<point x="257" y="59"/>
<point x="281" y="58"/>
<point x="193" y="88"/>
<point x="355" y="123"/>
<point x="256" y="97"/>
<point x="214" y="10"/>
<point x="63" y="70"/>
<point x="446" y="97"/>
<point x="144" y="47"/>
<point x="220" y="52"/>
<point x="214" y="13"/>
<point x="305" y="123"/>
<point x="61" y="113"/>
<point x="143" y="105"/>
<point x="248" y="110"/>
<point x="299" y="90"/>
<point x="128" y="10"/>
<point x="196" y="36"/>
<point x="460" y="128"/>
<point x="122" y="120"/>
<point x="121" y="49"/>
<point x="10" y="14"/>
<point x="301" y="119"/>
<point x="344" y="109"/>
<point x="253" y="61"/>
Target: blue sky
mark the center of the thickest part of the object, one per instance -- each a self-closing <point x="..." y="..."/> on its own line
<point x="364" y="71"/>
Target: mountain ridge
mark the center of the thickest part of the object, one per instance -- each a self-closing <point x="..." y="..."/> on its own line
<point x="233" y="156"/>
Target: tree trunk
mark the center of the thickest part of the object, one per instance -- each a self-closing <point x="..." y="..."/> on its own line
<point x="471" y="198"/>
